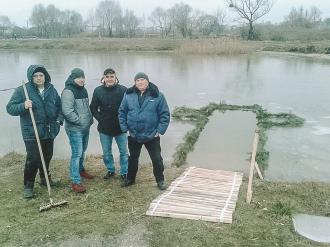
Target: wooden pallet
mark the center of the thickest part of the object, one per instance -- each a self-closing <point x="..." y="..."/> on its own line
<point x="199" y="194"/>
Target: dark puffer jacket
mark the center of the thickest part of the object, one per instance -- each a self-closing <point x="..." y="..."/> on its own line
<point x="47" y="112"/>
<point x="75" y="107"/>
<point x="143" y="122"/>
<point x="104" y="106"/>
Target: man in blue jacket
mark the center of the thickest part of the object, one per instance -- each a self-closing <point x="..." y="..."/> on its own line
<point x="46" y="106"/>
<point x="144" y="113"/>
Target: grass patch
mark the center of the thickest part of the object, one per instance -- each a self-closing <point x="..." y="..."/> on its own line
<point x="200" y="117"/>
<point x="108" y="215"/>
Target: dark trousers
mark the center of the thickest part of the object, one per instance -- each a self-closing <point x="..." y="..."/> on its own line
<point x="33" y="160"/>
<point x="153" y="148"/>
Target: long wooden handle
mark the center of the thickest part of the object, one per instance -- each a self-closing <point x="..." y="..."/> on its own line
<point x="38" y="139"/>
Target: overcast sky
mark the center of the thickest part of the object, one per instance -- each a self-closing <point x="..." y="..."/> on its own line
<point x="19" y="10"/>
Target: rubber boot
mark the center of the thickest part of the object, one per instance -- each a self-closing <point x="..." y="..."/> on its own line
<point x="28" y="190"/>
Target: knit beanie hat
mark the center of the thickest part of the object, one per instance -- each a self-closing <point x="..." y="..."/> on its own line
<point x="141" y="75"/>
<point x="109" y="71"/>
<point x="76" y="73"/>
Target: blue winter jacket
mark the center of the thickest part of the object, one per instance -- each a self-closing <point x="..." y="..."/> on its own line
<point x="145" y="121"/>
<point x="47" y="112"/>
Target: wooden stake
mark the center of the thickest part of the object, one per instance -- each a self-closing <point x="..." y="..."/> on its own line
<point x="258" y="170"/>
<point x="252" y="165"/>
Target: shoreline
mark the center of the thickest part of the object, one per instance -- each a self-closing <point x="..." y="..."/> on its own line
<point x="215" y="46"/>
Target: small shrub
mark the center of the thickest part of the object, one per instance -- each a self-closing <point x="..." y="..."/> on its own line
<point x="327" y="50"/>
<point x="310" y="49"/>
<point x="281" y="209"/>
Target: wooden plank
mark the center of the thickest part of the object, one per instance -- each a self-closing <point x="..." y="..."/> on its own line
<point x="199" y="194"/>
<point x="192" y="217"/>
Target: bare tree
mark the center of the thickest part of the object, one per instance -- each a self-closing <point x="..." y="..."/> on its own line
<point x="53" y="21"/>
<point x="315" y="15"/>
<point x="130" y="22"/>
<point x="50" y="22"/>
<point x="251" y="11"/>
<point x="181" y="14"/>
<point x="221" y="16"/>
<point x="4" y="24"/>
<point x="208" y="24"/>
<point x="108" y="12"/>
<point x="91" y="22"/>
<point x="72" y="22"/>
<point x="161" y="20"/>
<point x="39" y="19"/>
<point x="301" y="17"/>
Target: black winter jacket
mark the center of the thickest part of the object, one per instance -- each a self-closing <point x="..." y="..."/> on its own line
<point x="104" y="106"/>
<point x="47" y="112"/>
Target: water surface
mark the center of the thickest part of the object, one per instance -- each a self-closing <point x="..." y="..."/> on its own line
<point x="280" y="83"/>
<point x="226" y="142"/>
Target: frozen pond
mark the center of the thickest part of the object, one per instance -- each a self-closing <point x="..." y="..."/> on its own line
<point x="280" y="83"/>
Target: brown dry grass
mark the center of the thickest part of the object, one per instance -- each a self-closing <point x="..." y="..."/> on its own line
<point x="221" y="46"/>
<point x="215" y="46"/>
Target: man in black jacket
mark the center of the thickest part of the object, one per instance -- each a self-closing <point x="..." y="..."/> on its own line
<point x="104" y="106"/>
<point x="46" y="106"/>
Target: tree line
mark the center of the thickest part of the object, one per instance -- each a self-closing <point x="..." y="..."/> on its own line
<point x="109" y="19"/>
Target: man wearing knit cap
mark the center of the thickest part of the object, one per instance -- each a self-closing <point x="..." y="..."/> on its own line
<point x="78" y="119"/>
<point x="144" y="113"/>
<point x="46" y="106"/>
<point x="104" y="106"/>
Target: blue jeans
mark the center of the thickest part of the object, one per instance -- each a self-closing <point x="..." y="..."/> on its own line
<point x="78" y="142"/>
<point x="106" y="142"/>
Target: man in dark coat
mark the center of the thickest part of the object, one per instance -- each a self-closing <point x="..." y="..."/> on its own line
<point x="144" y="113"/>
<point x="46" y="106"/>
<point x="104" y="106"/>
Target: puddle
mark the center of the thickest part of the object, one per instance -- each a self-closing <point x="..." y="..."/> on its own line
<point x="316" y="228"/>
<point x="225" y="143"/>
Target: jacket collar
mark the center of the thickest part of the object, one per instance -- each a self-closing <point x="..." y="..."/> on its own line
<point x="153" y="89"/>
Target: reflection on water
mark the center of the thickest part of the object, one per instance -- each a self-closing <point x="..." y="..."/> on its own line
<point x="226" y="142"/>
<point x="279" y="83"/>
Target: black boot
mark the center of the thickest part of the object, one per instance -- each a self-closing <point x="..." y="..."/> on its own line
<point x="161" y="185"/>
<point x="127" y="182"/>
<point x="28" y="190"/>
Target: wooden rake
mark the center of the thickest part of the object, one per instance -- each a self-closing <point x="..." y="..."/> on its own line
<point x="51" y="203"/>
